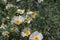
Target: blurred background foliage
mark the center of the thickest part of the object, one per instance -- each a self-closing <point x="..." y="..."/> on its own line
<point x="47" y="21"/>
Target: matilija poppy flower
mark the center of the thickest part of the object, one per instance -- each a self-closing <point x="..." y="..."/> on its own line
<point x="17" y="20"/>
<point x="36" y="36"/>
<point x="25" y="32"/>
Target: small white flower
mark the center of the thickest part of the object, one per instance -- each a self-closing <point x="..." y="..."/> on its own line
<point x="39" y="1"/>
<point x="31" y="14"/>
<point x="20" y="11"/>
<point x="17" y="19"/>
<point x="3" y="26"/>
<point x="25" y="32"/>
<point x="18" y="0"/>
<point x="9" y="6"/>
<point x="36" y="36"/>
<point x="28" y="19"/>
<point x="5" y="33"/>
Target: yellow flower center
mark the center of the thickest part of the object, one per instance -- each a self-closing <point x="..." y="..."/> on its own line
<point x="20" y="11"/>
<point x="18" y="21"/>
<point x="2" y="24"/>
<point x="33" y="15"/>
<point x="36" y="38"/>
<point x="27" y="33"/>
<point x="6" y="33"/>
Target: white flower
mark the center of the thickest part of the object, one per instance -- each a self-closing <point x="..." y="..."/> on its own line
<point x="31" y="14"/>
<point x="28" y="19"/>
<point x="36" y="36"/>
<point x="5" y="33"/>
<point x="39" y="1"/>
<point x="3" y="26"/>
<point x="9" y="6"/>
<point x="17" y="19"/>
<point x="18" y="0"/>
<point x="20" y="11"/>
<point x="25" y="32"/>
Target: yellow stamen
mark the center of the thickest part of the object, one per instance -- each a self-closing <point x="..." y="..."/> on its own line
<point x="27" y="33"/>
<point x="18" y="21"/>
<point x="20" y="11"/>
<point x="33" y="15"/>
<point x="36" y="38"/>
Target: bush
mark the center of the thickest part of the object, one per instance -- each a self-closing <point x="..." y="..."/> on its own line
<point x="19" y="19"/>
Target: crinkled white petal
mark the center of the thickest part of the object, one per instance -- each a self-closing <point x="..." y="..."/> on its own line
<point x="41" y="36"/>
<point x="14" y="19"/>
<point x="21" y="18"/>
<point x="26" y="29"/>
<point x="23" y="34"/>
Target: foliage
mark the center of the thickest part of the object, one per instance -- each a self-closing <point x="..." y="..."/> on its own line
<point x="47" y="20"/>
